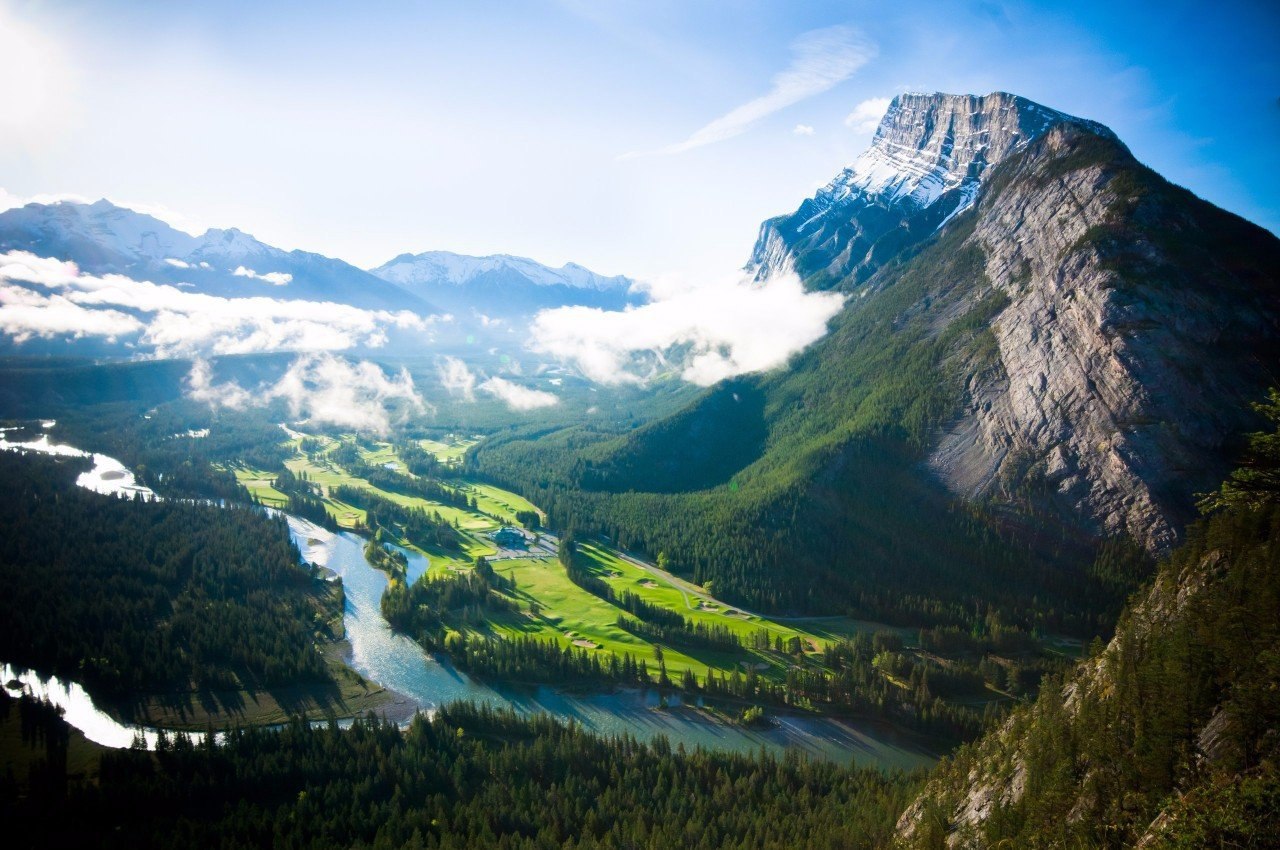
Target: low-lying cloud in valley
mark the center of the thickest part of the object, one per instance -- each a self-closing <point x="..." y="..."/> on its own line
<point x="517" y="397"/>
<point x="321" y="388"/>
<point x="459" y="381"/>
<point x="456" y="378"/>
<point x="47" y="298"/>
<point x="715" y="330"/>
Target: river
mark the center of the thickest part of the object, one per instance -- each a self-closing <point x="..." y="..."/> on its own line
<point x="423" y="682"/>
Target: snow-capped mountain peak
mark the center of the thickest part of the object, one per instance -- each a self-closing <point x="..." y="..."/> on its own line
<point x="446" y="267"/>
<point x="926" y="165"/>
<point x="231" y="243"/>
<point x="929" y="144"/>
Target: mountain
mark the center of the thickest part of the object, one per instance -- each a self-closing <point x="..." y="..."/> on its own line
<point x="503" y="286"/>
<point x="1046" y="346"/>
<point x="1165" y="737"/>
<point x="926" y="164"/>
<point x="102" y="238"/>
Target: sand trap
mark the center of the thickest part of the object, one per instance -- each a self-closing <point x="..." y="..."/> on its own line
<point x="586" y="644"/>
<point x="648" y="583"/>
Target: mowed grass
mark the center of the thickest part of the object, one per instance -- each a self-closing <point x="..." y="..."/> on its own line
<point x="449" y="451"/>
<point x="498" y="502"/>
<point x="566" y="613"/>
<point x="624" y="576"/>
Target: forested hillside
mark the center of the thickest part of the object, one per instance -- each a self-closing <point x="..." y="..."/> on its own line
<point x="1170" y="734"/>
<point x="837" y="514"/>
<point x="465" y="778"/>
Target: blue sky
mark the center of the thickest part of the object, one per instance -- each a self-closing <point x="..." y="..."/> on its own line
<point x="638" y="138"/>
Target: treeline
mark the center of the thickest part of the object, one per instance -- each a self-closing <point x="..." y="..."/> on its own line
<point x="347" y="455"/>
<point x="466" y="777"/>
<point x="693" y="635"/>
<point x="421" y="462"/>
<point x="432" y="605"/>
<point x="527" y="659"/>
<point x="304" y="498"/>
<point x="416" y="525"/>
<point x="132" y="598"/>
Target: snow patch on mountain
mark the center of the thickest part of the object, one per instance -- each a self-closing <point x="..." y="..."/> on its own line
<point x="929" y="144"/>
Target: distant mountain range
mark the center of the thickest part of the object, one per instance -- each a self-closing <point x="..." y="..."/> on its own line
<point x="502" y="285"/>
<point x="103" y="238"/>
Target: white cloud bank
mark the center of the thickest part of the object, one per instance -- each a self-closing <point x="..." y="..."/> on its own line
<point x="822" y="58"/>
<point x="716" y="330"/>
<point x="46" y="298"/>
<point x="865" y="117"/>
<point x="321" y="388"/>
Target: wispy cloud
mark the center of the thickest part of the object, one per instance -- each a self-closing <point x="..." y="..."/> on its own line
<point x="321" y="388"/>
<point x="517" y="397"/>
<point x="48" y="298"/>
<point x="711" y="330"/>
<point x="865" y="117"/>
<point x="456" y="378"/>
<point x="273" y="278"/>
<point x="822" y="59"/>
<point x="803" y="130"/>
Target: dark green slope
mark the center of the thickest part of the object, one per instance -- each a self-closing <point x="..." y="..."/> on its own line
<point x="832" y="510"/>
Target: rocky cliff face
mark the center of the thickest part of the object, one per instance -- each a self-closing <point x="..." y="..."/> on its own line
<point x="1130" y="346"/>
<point x="926" y="163"/>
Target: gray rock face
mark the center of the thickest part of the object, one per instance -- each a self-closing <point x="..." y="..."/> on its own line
<point x="1125" y="363"/>
<point x="926" y="164"/>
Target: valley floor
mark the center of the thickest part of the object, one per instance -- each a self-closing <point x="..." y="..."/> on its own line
<point x="546" y="605"/>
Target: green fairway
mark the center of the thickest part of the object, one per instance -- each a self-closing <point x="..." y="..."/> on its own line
<point x="554" y="607"/>
<point x="451" y="450"/>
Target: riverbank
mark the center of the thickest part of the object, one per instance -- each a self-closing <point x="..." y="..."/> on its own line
<point x="349" y="695"/>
